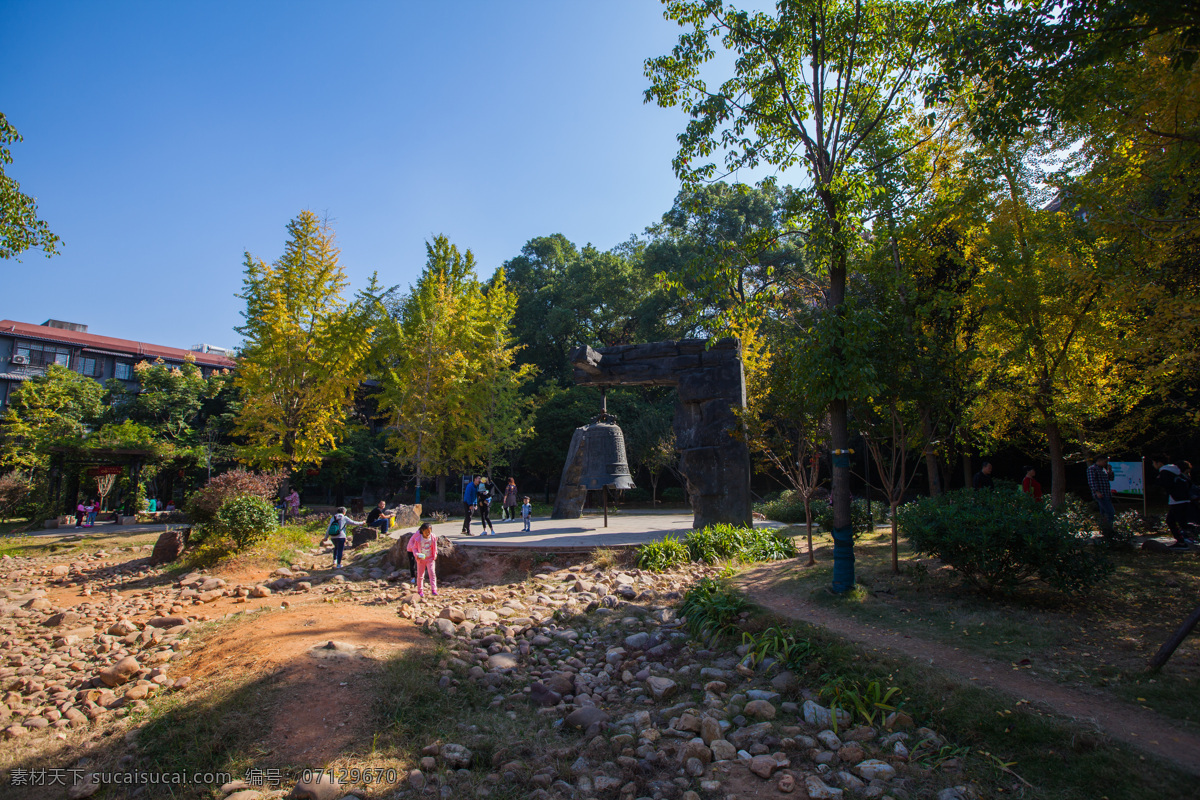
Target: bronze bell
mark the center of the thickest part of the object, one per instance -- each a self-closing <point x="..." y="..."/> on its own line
<point x="605" y="464"/>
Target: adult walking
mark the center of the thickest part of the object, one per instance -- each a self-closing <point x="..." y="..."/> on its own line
<point x="484" y="495"/>
<point x="1099" y="478"/>
<point x="336" y="533"/>
<point x="1178" y="486"/>
<point x="1031" y="485"/>
<point x="510" y="500"/>
<point x="470" y="502"/>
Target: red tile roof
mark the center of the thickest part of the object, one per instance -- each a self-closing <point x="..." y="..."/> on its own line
<point x="150" y="351"/>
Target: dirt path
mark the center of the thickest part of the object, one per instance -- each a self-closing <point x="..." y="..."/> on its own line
<point x="1136" y="726"/>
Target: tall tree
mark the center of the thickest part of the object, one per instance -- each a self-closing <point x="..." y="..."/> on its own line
<point x="304" y="350"/>
<point x="20" y="228"/>
<point x="813" y="83"/>
<point x="47" y="410"/>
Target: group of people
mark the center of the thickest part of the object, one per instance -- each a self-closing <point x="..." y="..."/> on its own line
<point x="85" y="513"/>
<point x="477" y="499"/>
<point x="422" y="545"/>
<point x="1183" y="515"/>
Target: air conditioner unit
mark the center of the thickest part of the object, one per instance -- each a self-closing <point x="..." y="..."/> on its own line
<point x="19" y="359"/>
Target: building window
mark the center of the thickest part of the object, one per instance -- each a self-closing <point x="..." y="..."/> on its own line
<point x="91" y="367"/>
<point x="124" y="371"/>
<point x="43" y="355"/>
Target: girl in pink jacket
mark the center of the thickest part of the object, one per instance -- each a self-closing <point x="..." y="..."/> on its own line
<point x="422" y="546"/>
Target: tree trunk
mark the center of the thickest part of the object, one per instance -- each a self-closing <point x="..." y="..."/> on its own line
<point x="1058" y="465"/>
<point x="441" y="488"/>
<point x="931" y="460"/>
<point x="843" y="534"/>
<point x="895" y="541"/>
<point x="968" y="477"/>
<point x="808" y="522"/>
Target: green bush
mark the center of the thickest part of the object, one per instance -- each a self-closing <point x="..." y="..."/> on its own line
<point x="662" y="555"/>
<point x="787" y="508"/>
<point x="999" y="540"/>
<point x="203" y="505"/>
<point x="861" y="521"/>
<point x="247" y="520"/>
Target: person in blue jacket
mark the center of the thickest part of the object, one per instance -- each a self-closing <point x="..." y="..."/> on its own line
<point x="470" y="502"/>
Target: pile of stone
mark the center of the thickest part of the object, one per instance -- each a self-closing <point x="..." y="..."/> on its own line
<point x="659" y="716"/>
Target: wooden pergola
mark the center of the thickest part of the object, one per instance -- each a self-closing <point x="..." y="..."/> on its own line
<point x="64" y="457"/>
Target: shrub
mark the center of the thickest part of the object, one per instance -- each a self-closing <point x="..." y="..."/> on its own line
<point x="787" y="508"/>
<point x="247" y="520"/>
<point x="662" y="555"/>
<point x="15" y="492"/>
<point x="860" y="520"/>
<point x="999" y="540"/>
<point x="203" y="505"/>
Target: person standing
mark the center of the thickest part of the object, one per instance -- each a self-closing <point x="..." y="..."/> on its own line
<point x="1099" y="478"/>
<point x="422" y="548"/>
<point x="293" y="504"/>
<point x="1179" y="500"/>
<point x="510" y="500"/>
<point x="526" y="513"/>
<point x="470" y="502"/>
<point x="336" y="533"/>
<point x="484" y="495"/>
<point x="93" y="507"/>
<point x="1031" y="485"/>
<point x="983" y="478"/>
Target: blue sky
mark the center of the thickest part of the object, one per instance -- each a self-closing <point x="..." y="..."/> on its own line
<point x="162" y="140"/>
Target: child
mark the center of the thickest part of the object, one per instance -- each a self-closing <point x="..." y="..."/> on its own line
<point x="423" y="548"/>
<point x="526" y="512"/>
<point x="337" y="533"/>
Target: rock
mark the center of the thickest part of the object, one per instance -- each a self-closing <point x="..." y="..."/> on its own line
<point x="121" y="628"/>
<point x="759" y="709"/>
<point x="168" y="548"/>
<point x="453" y="614"/>
<point x="585" y="717"/>
<point x="166" y="622"/>
<point x="787" y="783"/>
<point x="723" y="750"/>
<point x="851" y="753"/>
<point x="260" y="591"/>
<point x="710" y="730"/>
<point x="234" y="786"/>
<point x="952" y="792"/>
<point x="662" y="688"/>
<point x="245" y="794"/>
<point x="698" y="750"/>
<point x="543" y="696"/>
<point x="455" y="756"/>
<point x="694" y="767"/>
<point x="321" y="786"/>
<point x="815" y="714"/>
<point x="784" y="682"/>
<point x="503" y="661"/>
<point x="763" y="766"/>
<point x="817" y="790"/>
<point x="416" y="779"/>
<point x="561" y="682"/>
<point x="446" y="627"/>
<point x="120" y="672"/>
<point x="637" y="641"/>
<point x="873" y="768"/>
<point x="830" y="740"/>
<point x="898" y="720"/>
<point x="87" y="786"/>
<point x="63" y="618"/>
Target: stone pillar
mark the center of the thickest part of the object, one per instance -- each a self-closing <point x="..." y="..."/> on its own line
<point x="714" y="457"/>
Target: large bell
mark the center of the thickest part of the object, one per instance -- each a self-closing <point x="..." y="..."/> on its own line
<point x="604" y="457"/>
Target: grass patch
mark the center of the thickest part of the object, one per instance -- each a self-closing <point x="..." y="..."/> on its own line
<point x="996" y="739"/>
<point x="1100" y="640"/>
<point x="282" y="547"/>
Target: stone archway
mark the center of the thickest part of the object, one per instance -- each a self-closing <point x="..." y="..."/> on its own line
<point x="714" y="458"/>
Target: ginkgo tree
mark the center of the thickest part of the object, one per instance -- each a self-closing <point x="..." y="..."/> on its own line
<point x="450" y="386"/>
<point x="304" y="352"/>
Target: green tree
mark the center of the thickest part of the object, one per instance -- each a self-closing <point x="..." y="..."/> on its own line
<point x="813" y="84"/>
<point x="501" y="413"/>
<point x="20" y="228"/>
<point x="425" y="387"/>
<point x="304" y="352"/>
<point x="58" y="407"/>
